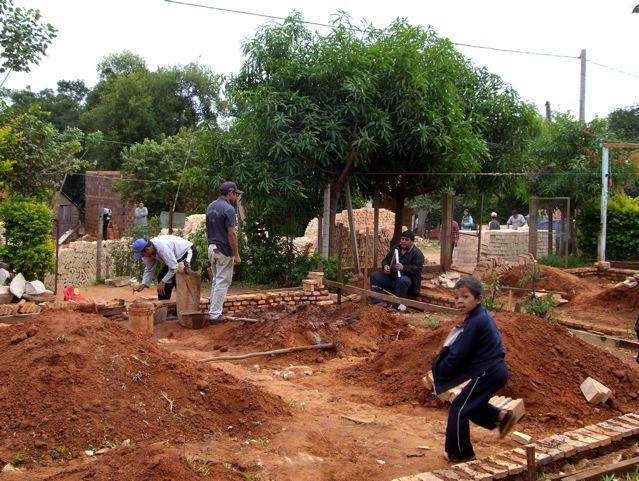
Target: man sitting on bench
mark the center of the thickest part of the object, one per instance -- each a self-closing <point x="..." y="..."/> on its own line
<point x="402" y="270"/>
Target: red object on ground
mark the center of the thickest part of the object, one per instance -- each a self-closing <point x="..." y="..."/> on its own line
<point x="72" y="293"/>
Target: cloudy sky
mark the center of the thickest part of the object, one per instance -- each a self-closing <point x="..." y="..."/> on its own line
<point x="166" y="33"/>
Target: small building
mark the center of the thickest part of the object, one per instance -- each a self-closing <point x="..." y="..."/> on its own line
<point x="98" y="189"/>
<point x="66" y="213"/>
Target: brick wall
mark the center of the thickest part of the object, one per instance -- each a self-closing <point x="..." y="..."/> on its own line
<point x="500" y="244"/>
<point x="99" y="188"/>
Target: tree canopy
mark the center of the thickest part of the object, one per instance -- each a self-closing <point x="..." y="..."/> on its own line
<point x="24" y="38"/>
<point x="370" y="106"/>
<point x="625" y="122"/>
<point x="131" y="104"/>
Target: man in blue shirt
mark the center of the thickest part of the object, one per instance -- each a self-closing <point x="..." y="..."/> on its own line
<point x="221" y="232"/>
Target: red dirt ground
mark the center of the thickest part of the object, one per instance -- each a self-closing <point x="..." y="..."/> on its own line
<point x="73" y="381"/>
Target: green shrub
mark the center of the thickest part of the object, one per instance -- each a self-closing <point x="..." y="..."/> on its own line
<point x="493" y="289"/>
<point x="622" y="233"/>
<point x="560" y="261"/>
<point x="29" y="248"/>
<point x="122" y="262"/>
<point x="539" y="306"/>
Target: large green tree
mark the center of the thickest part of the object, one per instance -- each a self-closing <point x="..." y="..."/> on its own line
<point x="625" y="122"/>
<point x="164" y="171"/>
<point x="35" y="156"/>
<point x="370" y="106"/>
<point x="131" y="104"/>
<point x="62" y="108"/>
<point x="24" y="38"/>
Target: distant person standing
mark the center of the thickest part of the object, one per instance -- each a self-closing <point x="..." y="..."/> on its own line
<point x="141" y="214"/>
<point x="106" y="218"/>
<point x="467" y="222"/>
<point x="494" y="222"/>
<point x="516" y="220"/>
<point x="454" y="236"/>
<point x="221" y="232"/>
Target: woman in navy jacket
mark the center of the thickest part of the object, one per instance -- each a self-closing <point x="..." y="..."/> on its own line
<point x="472" y="352"/>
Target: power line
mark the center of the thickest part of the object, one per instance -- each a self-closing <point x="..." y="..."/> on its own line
<point x="516" y="51"/>
<point x="459" y="44"/>
<point x="613" y="69"/>
<point x="242" y="12"/>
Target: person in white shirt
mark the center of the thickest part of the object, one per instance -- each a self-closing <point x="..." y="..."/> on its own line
<point x="170" y="250"/>
<point x="106" y="218"/>
<point x="516" y="220"/>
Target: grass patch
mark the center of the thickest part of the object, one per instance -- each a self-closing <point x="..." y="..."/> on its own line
<point x="560" y="261"/>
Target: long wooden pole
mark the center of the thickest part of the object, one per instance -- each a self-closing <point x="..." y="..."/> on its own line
<point x="98" y="266"/>
<point x="330" y="345"/>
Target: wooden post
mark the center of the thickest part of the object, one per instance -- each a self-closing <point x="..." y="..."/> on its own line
<point x="326" y="225"/>
<point x="351" y="226"/>
<point x="57" y="254"/>
<point x="171" y="217"/>
<point x="340" y="275"/>
<point x="445" y="243"/>
<point x="481" y="213"/>
<point x="98" y="267"/>
<point x="532" y="226"/>
<point x="551" y="222"/>
<point x="318" y="249"/>
<point x="366" y="263"/>
<point x="375" y="230"/>
<point x="531" y="468"/>
<point x="569" y="231"/>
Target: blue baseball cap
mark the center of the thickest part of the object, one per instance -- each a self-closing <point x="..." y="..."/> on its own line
<point x="138" y="247"/>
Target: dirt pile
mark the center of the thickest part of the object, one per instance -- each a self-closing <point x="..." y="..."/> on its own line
<point x="73" y="381"/>
<point x="547" y="364"/>
<point x="151" y="464"/>
<point x="622" y="295"/>
<point x="356" y="329"/>
<point x="551" y="279"/>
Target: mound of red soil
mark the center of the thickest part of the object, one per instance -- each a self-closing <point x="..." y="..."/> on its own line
<point x="623" y="296"/>
<point x="75" y="381"/>
<point x="149" y="464"/>
<point x="552" y="279"/>
<point x="355" y="329"/>
<point x="546" y="364"/>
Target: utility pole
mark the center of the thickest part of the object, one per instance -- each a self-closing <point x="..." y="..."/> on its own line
<point x="548" y="117"/>
<point x="582" y="87"/>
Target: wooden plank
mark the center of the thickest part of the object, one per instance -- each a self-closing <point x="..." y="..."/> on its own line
<point x="596" y="473"/>
<point x="16" y="318"/>
<point x="388" y="298"/>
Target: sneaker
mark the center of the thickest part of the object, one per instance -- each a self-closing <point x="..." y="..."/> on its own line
<point x="215" y="320"/>
<point x="506" y="425"/>
<point x="458" y="459"/>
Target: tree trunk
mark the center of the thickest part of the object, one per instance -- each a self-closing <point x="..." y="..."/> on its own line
<point x="336" y="191"/>
<point x="399" y="208"/>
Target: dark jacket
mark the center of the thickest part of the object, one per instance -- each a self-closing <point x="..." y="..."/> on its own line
<point x="471" y="348"/>
<point x="413" y="262"/>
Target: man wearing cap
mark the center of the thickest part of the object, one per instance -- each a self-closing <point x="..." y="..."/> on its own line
<point x="221" y="231"/>
<point x="494" y="222"/>
<point x="402" y="270"/>
<point x="170" y="250"/>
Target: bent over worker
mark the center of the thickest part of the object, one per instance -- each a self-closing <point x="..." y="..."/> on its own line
<point x="402" y="270"/>
<point x="170" y="250"/>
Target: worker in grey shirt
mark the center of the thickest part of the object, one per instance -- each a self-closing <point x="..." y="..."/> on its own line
<point x="169" y="250"/>
<point x="221" y="232"/>
<point x="141" y="214"/>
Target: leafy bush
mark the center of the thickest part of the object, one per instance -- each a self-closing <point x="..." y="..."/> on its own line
<point x="201" y="243"/>
<point x="540" y="306"/>
<point x="622" y="233"/>
<point x="490" y="301"/>
<point x="559" y="261"/>
<point x="122" y="262"/>
<point x="29" y="248"/>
